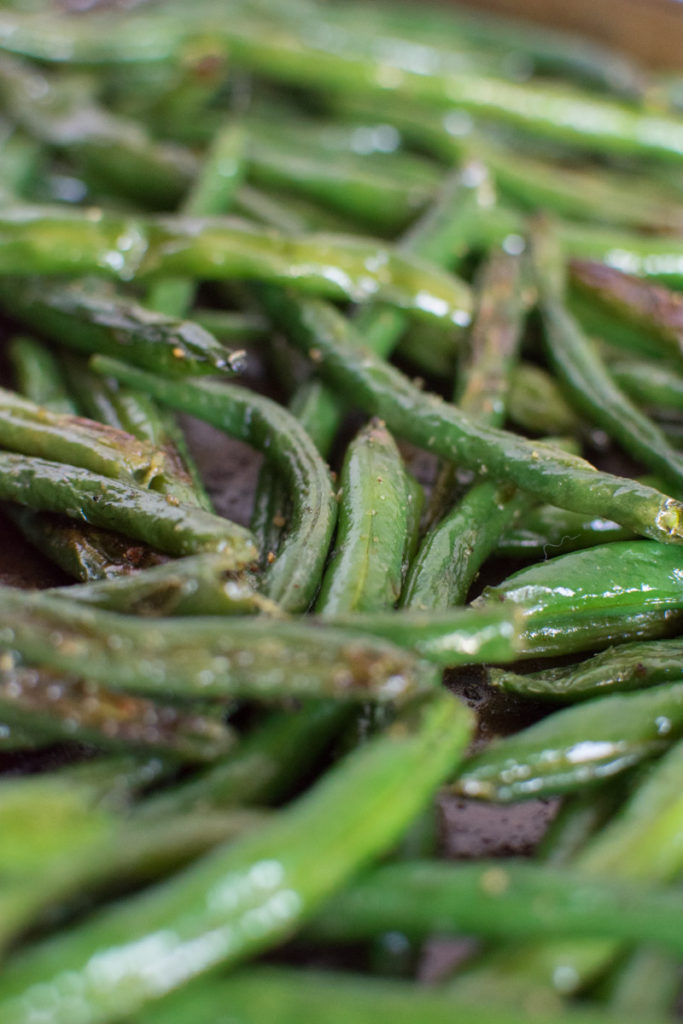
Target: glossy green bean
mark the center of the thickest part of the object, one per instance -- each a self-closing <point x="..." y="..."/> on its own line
<point x="31" y="429"/>
<point x="576" y="746"/>
<point x="50" y="240"/>
<point x="294" y="575"/>
<point x="449" y="637"/>
<point x="641" y="842"/>
<point x="588" y="599"/>
<point x="514" y="899"/>
<point x="273" y="876"/>
<point x="451" y="554"/>
<point x="96" y="320"/>
<point x="364" y="573"/>
<point x="211" y="656"/>
<point x="159" y="520"/>
<point x="57" y="707"/>
<point x="425" y="420"/>
<point x="625" y="667"/>
<point x="103" y="399"/>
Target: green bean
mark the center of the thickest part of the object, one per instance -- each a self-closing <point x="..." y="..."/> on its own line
<point x="383" y="198"/>
<point x="514" y="899"/>
<point x="211" y="656"/>
<point x="263" y="768"/>
<point x="647" y="982"/>
<point x="425" y="420"/>
<point x="318" y="407"/>
<point x="587" y="599"/>
<point x="248" y="895"/>
<point x="576" y="746"/>
<point x="452" y="553"/>
<point x="364" y="573"/>
<point x="211" y="193"/>
<point x="625" y="667"/>
<point x="335" y="64"/>
<point x="592" y="389"/>
<point x="643" y="842"/>
<point x="112" y="150"/>
<point x="536" y="403"/>
<point x="157" y="519"/>
<point x="55" y="707"/>
<point x="631" y="303"/>
<point x="105" y="400"/>
<point x="454" y="549"/>
<point x="95" y="320"/>
<point x="284" y="996"/>
<point x="548" y="530"/>
<point x="230" y="326"/>
<point x="30" y="429"/>
<point x="449" y="637"/>
<point x="294" y="576"/>
<point x="84" y="552"/>
<point x="38" y="374"/>
<point x="50" y="240"/>
<point x="646" y="256"/>
<point x="649" y="384"/>
<point x="197" y="585"/>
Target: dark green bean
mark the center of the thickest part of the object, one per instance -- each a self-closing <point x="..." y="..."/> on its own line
<point x="247" y="895"/>
<point x="364" y="574"/>
<point x="96" y="320"/>
<point x="588" y="599"/>
<point x="84" y="552"/>
<point x="576" y="746"/>
<point x="425" y="420"/>
<point x="626" y="667"/>
<point x="294" y="575"/>
<point x="159" y="520"/>
<point x="211" y="656"/>
<point x="548" y="530"/>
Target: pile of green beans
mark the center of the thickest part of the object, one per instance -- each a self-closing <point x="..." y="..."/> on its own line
<point x="424" y="267"/>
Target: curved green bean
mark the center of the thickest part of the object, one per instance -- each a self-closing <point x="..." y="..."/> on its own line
<point x="427" y="421"/>
<point x="159" y="520"/>
<point x="293" y="577"/>
<point x="38" y="375"/>
<point x="649" y="384"/>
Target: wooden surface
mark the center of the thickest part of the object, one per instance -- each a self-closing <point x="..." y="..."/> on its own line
<point x="651" y="30"/>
